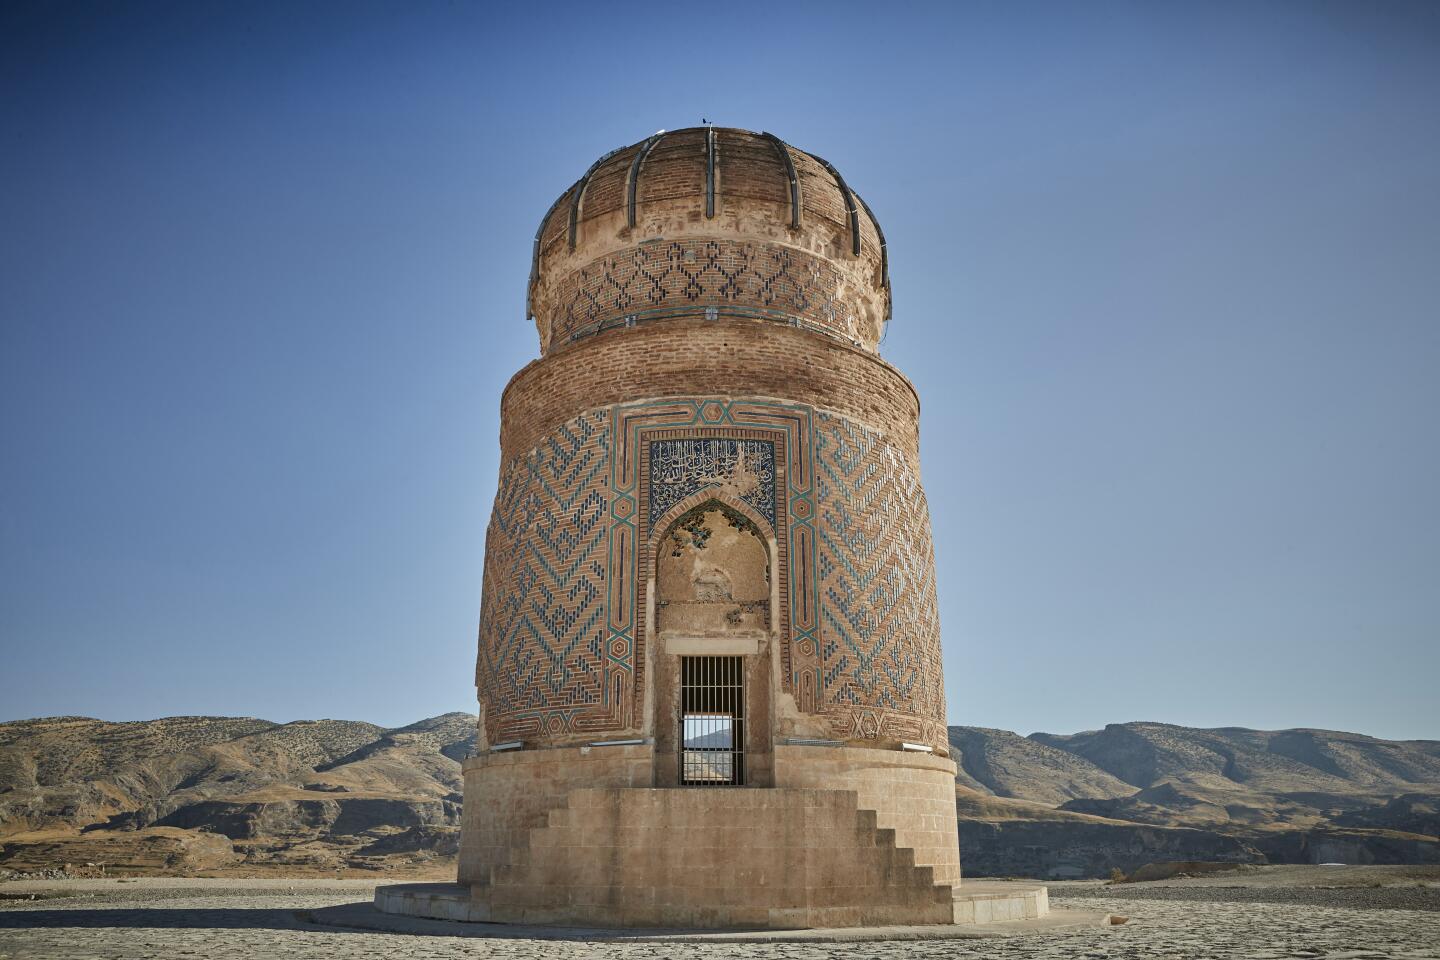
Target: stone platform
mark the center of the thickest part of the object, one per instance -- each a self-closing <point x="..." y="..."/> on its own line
<point x="984" y="907"/>
<point x="881" y="852"/>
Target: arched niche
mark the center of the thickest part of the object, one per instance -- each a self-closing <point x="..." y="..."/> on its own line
<point x="714" y="594"/>
<point x="713" y="574"/>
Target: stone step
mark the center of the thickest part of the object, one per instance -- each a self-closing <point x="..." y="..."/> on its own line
<point x="999" y="902"/>
<point x="796" y="850"/>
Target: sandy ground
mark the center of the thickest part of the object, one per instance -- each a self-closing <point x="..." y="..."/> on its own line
<point x="1320" y="913"/>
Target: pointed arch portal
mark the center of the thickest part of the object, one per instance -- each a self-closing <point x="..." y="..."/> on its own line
<point x="713" y="594"/>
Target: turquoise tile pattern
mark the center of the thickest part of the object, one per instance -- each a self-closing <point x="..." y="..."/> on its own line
<point x="562" y="633"/>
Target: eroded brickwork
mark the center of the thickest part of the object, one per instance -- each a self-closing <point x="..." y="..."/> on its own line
<point x="684" y="277"/>
<point x="699" y="220"/>
<point x="571" y="550"/>
<point x="689" y="358"/>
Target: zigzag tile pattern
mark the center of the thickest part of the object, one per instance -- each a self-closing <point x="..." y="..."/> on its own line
<point x="542" y="664"/>
<point x="785" y="281"/>
<point x="552" y="663"/>
<point x="880" y="630"/>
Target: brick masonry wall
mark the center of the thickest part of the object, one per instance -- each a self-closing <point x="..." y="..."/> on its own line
<point x="708" y="357"/>
<point x="583" y="271"/>
<point x="667" y="278"/>
<point x="563" y="633"/>
<point x="746" y="320"/>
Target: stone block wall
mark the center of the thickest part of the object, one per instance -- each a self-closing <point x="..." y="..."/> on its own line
<point x="911" y="793"/>
<point x="509" y="794"/>
<point x="715" y="858"/>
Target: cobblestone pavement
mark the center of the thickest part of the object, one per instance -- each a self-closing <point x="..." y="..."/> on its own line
<point x="260" y="923"/>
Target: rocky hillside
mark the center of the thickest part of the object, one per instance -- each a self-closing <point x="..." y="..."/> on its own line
<point x="1005" y="764"/>
<point x="1146" y="791"/>
<point x="206" y="794"/>
<point x="318" y="793"/>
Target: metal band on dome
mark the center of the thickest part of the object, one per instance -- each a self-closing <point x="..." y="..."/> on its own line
<point x="884" y="264"/>
<point x="784" y="154"/>
<point x="634" y="176"/>
<point x="580" y="192"/>
<point x="849" y="203"/>
<point x="535" y="256"/>
<point x="709" y="173"/>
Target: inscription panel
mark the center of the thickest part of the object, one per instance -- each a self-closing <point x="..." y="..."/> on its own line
<point x="742" y="468"/>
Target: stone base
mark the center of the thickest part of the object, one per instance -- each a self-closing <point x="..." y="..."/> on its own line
<point x="434" y="901"/>
<point x="975" y="903"/>
<point x="847" y="837"/>
<point x="999" y="902"/>
<point x="778" y="858"/>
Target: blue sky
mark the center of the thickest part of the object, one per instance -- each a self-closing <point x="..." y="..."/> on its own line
<point x="1165" y="276"/>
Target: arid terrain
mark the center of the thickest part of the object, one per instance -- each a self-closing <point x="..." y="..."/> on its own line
<point x="219" y="796"/>
<point x="1134" y="793"/>
<point x="1266" y="913"/>
<point x="236" y="797"/>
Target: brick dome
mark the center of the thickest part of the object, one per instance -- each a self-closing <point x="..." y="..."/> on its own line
<point x="709" y="222"/>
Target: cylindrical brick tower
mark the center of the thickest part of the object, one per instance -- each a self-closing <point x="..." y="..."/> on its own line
<point x="710" y="566"/>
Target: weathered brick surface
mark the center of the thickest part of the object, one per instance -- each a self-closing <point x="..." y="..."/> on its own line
<point x="565" y="649"/>
<point x="741" y="279"/>
<point x="751" y="207"/>
<point x="699" y="357"/>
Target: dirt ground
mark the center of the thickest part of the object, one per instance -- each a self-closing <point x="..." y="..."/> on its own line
<point x="1320" y="913"/>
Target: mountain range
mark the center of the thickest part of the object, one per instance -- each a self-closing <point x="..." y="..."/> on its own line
<point x="313" y="795"/>
<point x="1082" y="804"/>
<point x="231" y="795"/>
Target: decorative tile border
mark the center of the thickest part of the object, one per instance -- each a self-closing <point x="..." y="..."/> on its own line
<point x="570" y="551"/>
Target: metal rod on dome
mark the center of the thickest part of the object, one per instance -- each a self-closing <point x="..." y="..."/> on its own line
<point x="784" y="154"/>
<point x="634" y="176"/>
<point x="580" y="193"/>
<point x="709" y="173"/>
<point x="849" y="203"/>
<point x="535" y="256"/>
<point x="884" y="266"/>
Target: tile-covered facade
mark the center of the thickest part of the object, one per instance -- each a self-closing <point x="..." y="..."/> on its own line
<point x="563" y="625"/>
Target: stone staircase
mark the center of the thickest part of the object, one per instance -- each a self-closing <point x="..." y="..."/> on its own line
<point x="724" y="857"/>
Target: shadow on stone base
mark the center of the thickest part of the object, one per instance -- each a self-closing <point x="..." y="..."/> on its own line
<point x="975" y="905"/>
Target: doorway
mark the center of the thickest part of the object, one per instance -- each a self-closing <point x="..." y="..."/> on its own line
<point x="712" y="721"/>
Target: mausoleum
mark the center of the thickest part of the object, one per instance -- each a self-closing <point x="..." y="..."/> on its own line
<point x="709" y="664"/>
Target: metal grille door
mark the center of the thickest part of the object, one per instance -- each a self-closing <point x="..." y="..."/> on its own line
<point x="712" y="721"/>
